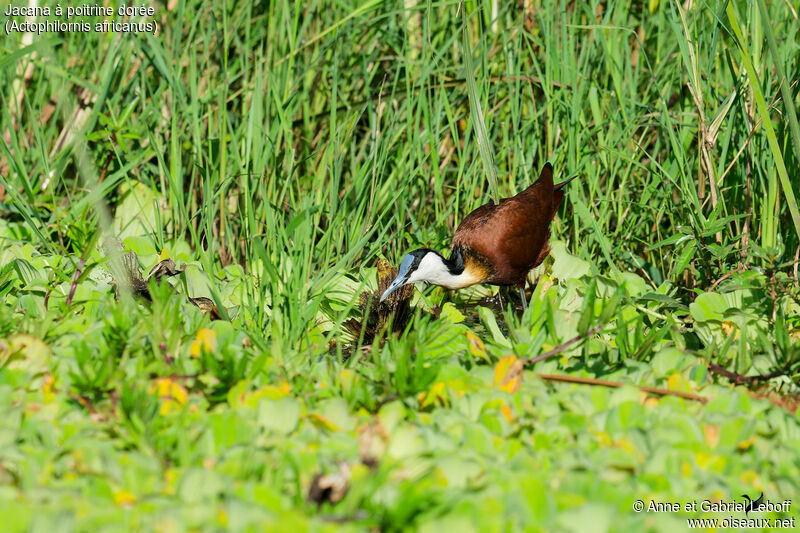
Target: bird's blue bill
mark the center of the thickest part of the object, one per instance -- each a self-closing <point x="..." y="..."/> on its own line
<point x="404" y="272"/>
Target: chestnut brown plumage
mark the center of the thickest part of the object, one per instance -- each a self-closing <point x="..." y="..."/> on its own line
<point x="497" y="244"/>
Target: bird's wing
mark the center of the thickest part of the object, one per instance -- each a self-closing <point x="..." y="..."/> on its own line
<point x="487" y="225"/>
<point x="513" y="234"/>
<point x="520" y="227"/>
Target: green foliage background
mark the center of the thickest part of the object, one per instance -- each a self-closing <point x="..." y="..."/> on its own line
<point x="278" y="149"/>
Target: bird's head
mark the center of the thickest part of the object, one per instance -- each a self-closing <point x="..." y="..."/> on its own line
<point x="422" y="264"/>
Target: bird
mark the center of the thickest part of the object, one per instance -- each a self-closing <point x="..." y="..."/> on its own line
<point x="752" y="505"/>
<point x="496" y="244"/>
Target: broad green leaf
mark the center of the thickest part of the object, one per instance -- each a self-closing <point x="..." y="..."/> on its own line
<point x="708" y="306"/>
<point x="566" y="265"/>
<point x="281" y="416"/>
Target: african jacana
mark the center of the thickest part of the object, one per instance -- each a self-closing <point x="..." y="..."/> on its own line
<point x="497" y="244"/>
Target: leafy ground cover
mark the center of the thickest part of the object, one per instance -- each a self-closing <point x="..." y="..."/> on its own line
<point x="275" y="152"/>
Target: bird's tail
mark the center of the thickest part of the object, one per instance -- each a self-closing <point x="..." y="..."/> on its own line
<point x="558" y="194"/>
<point x="561" y="185"/>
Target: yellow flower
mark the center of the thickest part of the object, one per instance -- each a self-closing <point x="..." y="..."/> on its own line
<point x="48" y="388"/>
<point x="508" y="373"/>
<point x="476" y="346"/>
<point x="171" y="394"/>
<point x="436" y="395"/>
<point x="206" y="340"/>
<point x="728" y="327"/>
<point x="124" y="497"/>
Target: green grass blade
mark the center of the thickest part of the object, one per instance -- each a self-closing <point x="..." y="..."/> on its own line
<point x="763" y="110"/>
<point x="476" y="113"/>
<point x="786" y="92"/>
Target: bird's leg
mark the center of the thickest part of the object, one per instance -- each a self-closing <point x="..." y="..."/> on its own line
<point x="506" y="294"/>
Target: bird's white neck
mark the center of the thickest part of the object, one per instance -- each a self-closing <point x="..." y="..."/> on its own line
<point x="436" y="270"/>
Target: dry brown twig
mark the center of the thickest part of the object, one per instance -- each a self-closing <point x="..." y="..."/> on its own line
<point x="739" y="379"/>
<point x="617" y="384"/>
